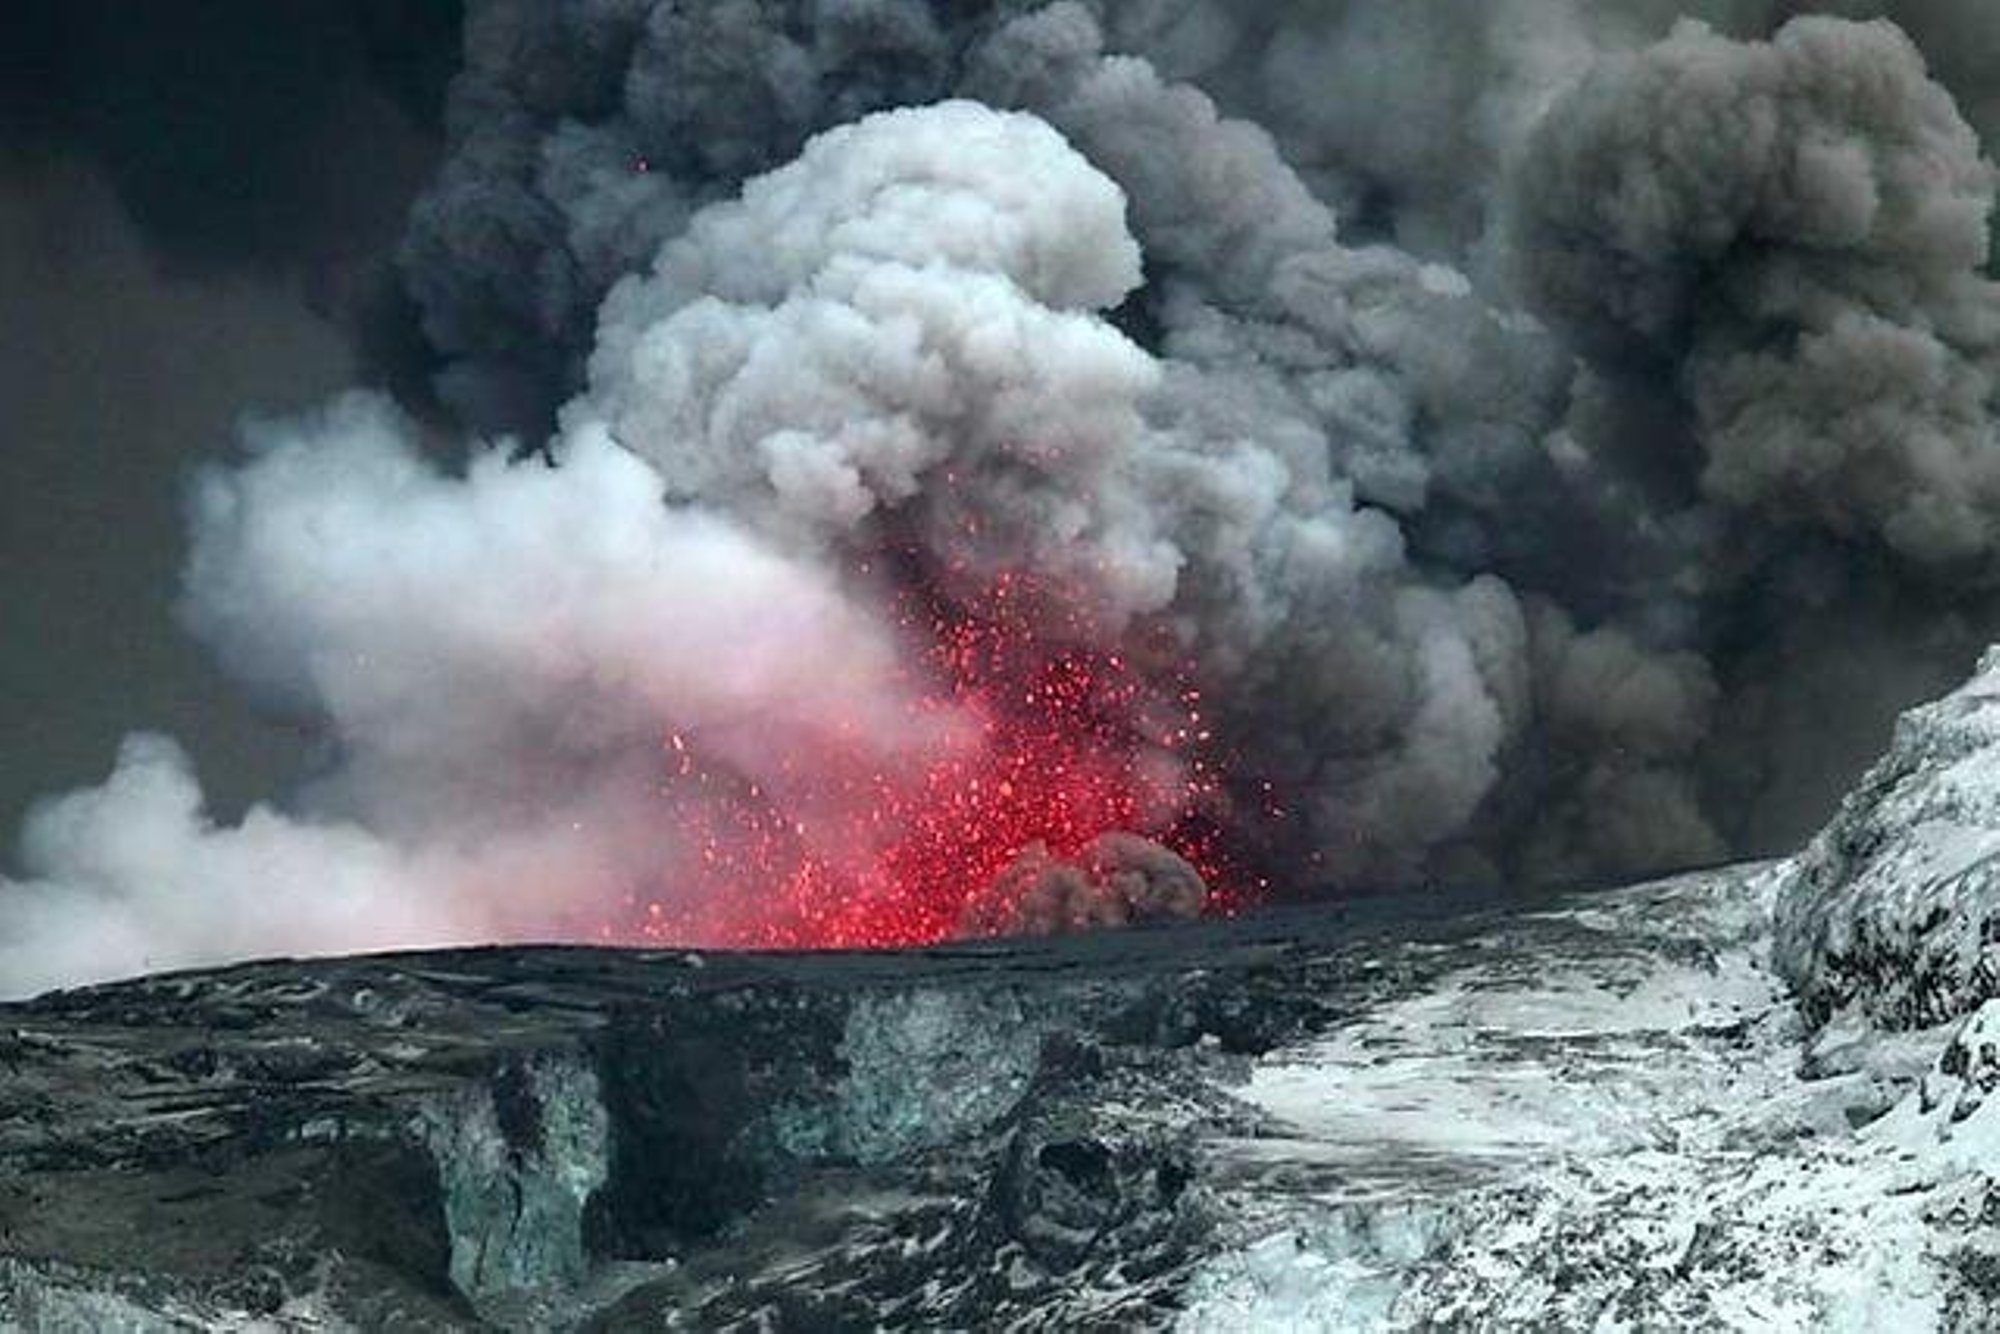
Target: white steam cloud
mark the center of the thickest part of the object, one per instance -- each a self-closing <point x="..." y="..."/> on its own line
<point x="499" y="656"/>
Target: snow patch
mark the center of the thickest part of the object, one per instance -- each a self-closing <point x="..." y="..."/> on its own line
<point x="1624" y="1141"/>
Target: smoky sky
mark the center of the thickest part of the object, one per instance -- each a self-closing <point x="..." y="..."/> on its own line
<point x="1559" y="435"/>
<point x="234" y="132"/>
<point x="197" y="205"/>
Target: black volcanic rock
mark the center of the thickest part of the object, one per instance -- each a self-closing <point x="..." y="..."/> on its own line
<point x="559" y="1137"/>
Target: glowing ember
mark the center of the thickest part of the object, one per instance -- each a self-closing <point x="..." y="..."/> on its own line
<point x="1065" y="744"/>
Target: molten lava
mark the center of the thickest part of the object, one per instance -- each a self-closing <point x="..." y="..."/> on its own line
<point x="1054" y="744"/>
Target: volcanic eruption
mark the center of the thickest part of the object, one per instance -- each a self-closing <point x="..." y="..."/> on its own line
<point x="1017" y="819"/>
<point x="900" y="470"/>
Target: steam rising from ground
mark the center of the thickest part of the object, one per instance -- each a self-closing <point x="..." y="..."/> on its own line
<point x="1490" y="405"/>
<point x="498" y="723"/>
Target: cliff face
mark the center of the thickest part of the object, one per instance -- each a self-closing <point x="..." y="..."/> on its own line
<point x="543" y="1136"/>
<point x="1893" y="912"/>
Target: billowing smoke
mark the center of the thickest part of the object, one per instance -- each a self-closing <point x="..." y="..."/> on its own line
<point x="904" y="322"/>
<point x="982" y="467"/>
<point x="1792" y="233"/>
<point x="496" y="655"/>
<point x="1116" y="879"/>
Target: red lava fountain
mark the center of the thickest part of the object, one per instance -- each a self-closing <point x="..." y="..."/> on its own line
<point x="1065" y="743"/>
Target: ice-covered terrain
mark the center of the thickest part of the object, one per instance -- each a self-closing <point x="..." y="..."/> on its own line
<point x="1893" y="912"/>
<point x="1600" y="1122"/>
<point x="1752" y="1098"/>
<point x="1601" y="1112"/>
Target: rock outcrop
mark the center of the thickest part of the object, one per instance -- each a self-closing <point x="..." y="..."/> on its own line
<point x="545" y="1138"/>
<point x="1893" y="911"/>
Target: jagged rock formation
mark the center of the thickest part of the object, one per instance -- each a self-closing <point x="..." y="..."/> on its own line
<point x="1894" y="909"/>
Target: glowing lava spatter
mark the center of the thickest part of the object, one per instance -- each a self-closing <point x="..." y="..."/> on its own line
<point x="1065" y="743"/>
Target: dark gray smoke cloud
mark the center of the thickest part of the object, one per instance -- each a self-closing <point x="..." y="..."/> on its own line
<point x="1117" y="879"/>
<point x="1510" y="410"/>
<point x="1793" y="234"/>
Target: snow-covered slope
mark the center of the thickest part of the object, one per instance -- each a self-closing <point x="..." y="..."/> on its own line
<point x="1602" y="1112"/>
<point x="1894" y="910"/>
<point x="1753" y="1099"/>
<point x="1611" y="1130"/>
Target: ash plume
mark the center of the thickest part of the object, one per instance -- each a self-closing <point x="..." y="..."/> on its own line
<point x="1117" y="879"/>
<point x="1792" y="234"/>
<point x="1458" y="422"/>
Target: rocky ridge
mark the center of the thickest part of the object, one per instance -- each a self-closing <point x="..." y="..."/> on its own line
<point x="1754" y="1098"/>
<point x="1893" y="911"/>
<point x="1395" y="1114"/>
<point x="536" y="1137"/>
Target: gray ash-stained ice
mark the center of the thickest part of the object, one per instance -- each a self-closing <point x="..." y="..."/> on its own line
<point x="1498" y="405"/>
<point x="1887" y="918"/>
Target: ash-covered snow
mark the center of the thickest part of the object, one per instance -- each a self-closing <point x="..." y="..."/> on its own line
<point x="1602" y="1112"/>
<point x="1894" y="909"/>
<point x="1614" y="1134"/>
